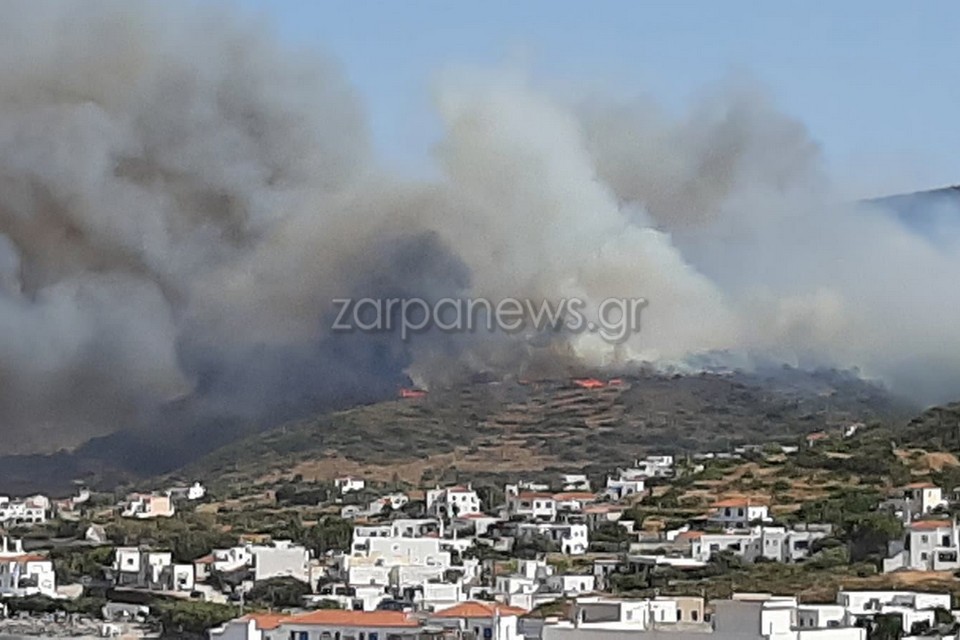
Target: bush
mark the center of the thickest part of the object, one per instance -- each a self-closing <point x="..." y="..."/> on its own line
<point x="781" y="486"/>
<point x="829" y="558"/>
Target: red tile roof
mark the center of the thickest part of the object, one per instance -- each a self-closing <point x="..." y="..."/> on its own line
<point x="920" y="485"/>
<point x="341" y="618"/>
<point x="927" y="525"/>
<point x="575" y="495"/>
<point x="475" y="609"/>
<point x="533" y="495"/>
<point x="602" y="508"/>
<point x="266" y="621"/>
<point x="24" y="557"/>
<point x="689" y="535"/>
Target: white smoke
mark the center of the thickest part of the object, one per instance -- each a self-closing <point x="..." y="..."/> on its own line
<point x="181" y="198"/>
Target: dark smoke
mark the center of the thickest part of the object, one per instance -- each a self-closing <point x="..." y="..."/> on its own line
<point x="181" y="198"/>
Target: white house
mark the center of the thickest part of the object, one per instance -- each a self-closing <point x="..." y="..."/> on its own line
<point x="325" y="624"/>
<point x="778" y="544"/>
<point x="738" y="512"/>
<point x="573" y="539"/>
<point x="347" y="484"/>
<point x="453" y="501"/>
<point x="916" y="500"/>
<point x="378" y="557"/>
<point x="25" y="574"/>
<point x="911" y="606"/>
<point x="483" y="620"/>
<point x="282" y="558"/>
<point x="148" y="569"/>
<point x="655" y="466"/>
<point x="573" y="501"/>
<point x="147" y="505"/>
<point x="23" y="512"/>
<point x="227" y="560"/>
<point x="534" y="505"/>
<point x="620" y="488"/>
<point x="744" y="617"/>
<point x="931" y="545"/>
<point x="351" y="597"/>
<point x="574" y="482"/>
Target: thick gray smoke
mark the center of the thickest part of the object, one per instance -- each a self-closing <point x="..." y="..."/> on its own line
<point x="181" y="198"/>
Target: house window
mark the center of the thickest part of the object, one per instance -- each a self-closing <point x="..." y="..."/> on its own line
<point x="373" y="635"/>
<point x="945" y="542"/>
<point x="487" y="633"/>
<point x="740" y="512"/>
<point x="694" y="615"/>
<point x="923" y="539"/>
<point x="924" y="556"/>
<point x="362" y="635"/>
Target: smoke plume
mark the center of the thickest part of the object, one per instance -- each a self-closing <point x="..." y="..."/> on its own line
<point x="181" y="198"/>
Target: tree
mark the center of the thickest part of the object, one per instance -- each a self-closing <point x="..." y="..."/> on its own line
<point x="886" y="626"/>
<point x="183" y="617"/>
<point x="329" y="534"/>
<point x="869" y="535"/>
<point x="283" y="591"/>
<point x="942" y="616"/>
<point x="829" y="558"/>
<point x="490" y="496"/>
<point x="532" y="546"/>
<point x="72" y="564"/>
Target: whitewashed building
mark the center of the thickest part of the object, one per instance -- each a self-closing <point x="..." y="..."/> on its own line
<point x="448" y="502"/>
<point x="738" y="512"/>
<point x="931" y="545"/>
<point x="25" y="574"/>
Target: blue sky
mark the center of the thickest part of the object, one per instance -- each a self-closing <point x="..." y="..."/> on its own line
<point x="875" y="81"/>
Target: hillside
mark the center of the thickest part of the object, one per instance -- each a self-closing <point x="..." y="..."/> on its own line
<point x="485" y="430"/>
<point x="937" y="428"/>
